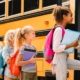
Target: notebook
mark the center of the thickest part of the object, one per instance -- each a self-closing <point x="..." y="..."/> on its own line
<point x="28" y="53"/>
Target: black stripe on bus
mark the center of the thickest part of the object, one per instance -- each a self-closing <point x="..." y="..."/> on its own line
<point x="42" y="32"/>
<point x="1" y="38"/>
<point x="38" y="33"/>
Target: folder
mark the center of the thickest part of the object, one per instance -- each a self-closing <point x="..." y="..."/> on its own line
<point x="69" y="37"/>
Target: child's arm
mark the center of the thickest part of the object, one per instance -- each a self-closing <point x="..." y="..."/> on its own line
<point x="57" y="46"/>
<point x="73" y="44"/>
<point x="6" y="54"/>
<point x="20" y="62"/>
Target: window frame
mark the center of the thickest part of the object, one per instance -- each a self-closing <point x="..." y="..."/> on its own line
<point x="49" y="7"/>
<point x="14" y="15"/>
<point x="4" y="12"/>
<point x="33" y="11"/>
<point x="40" y="8"/>
<point x="22" y="13"/>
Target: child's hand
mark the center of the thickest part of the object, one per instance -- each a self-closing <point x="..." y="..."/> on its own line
<point x="75" y="43"/>
<point x="32" y="60"/>
<point x="78" y="47"/>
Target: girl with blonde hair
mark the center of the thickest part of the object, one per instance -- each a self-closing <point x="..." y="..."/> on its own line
<point x="7" y="51"/>
<point x="23" y="42"/>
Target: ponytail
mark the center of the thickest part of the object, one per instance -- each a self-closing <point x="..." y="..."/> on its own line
<point x="18" y="39"/>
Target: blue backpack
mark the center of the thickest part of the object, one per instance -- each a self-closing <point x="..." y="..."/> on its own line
<point x="2" y="63"/>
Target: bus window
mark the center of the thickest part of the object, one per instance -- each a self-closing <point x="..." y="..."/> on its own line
<point x="2" y="8"/>
<point x="49" y="2"/>
<point x="14" y="7"/>
<point x="31" y="5"/>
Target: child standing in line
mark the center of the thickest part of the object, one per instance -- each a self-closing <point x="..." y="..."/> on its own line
<point x="24" y="38"/>
<point x="61" y="63"/>
<point x="8" y="49"/>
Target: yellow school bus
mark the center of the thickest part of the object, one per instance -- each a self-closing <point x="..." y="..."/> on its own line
<point x="38" y="13"/>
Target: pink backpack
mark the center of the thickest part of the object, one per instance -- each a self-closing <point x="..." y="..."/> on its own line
<point x="48" y="51"/>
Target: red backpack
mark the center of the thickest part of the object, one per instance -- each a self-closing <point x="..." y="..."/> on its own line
<point x="14" y="69"/>
<point x="48" y="51"/>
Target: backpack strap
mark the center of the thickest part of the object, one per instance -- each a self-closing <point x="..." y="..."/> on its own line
<point x="63" y="32"/>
